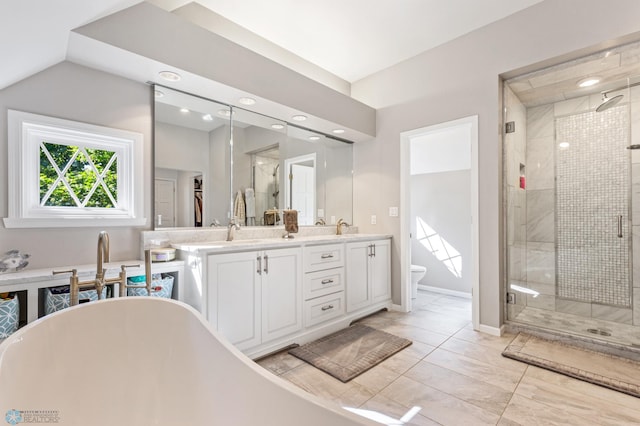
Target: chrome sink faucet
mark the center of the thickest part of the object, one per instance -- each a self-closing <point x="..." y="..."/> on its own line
<point x="339" y="226"/>
<point x="231" y="228"/>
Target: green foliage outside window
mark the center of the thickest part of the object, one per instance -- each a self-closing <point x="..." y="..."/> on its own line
<point x="72" y="176"/>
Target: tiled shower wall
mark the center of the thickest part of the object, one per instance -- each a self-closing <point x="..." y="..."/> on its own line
<point x="592" y="192"/>
<point x="533" y="262"/>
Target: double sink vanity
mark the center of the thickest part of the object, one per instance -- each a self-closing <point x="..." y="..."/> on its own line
<point x="266" y="293"/>
<point x="213" y="162"/>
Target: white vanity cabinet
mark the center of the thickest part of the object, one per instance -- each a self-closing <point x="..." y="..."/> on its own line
<point x="368" y="273"/>
<point x="255" y="296"/>
<point x="269" y="294"/>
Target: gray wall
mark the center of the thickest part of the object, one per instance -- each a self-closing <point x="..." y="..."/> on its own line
<point x="443" y="201"/>
<point x="77" y="93"/>
<point x="460" y="79"/>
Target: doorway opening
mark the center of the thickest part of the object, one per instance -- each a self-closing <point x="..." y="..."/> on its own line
<point x="439" y="200"/>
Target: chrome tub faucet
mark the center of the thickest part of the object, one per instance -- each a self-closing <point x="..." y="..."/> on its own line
<point x="99" y="281"/>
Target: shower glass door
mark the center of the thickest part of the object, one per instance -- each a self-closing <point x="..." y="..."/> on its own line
<point x="572" y="199"/>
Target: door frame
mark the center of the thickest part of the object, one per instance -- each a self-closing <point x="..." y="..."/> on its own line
<point x="405" y="217"/>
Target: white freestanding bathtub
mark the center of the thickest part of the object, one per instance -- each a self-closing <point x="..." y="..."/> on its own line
<point x="144" y="361"/>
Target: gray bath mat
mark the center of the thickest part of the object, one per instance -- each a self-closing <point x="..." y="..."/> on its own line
<point x="350" y="352"/>
<point x="602" y="369"/>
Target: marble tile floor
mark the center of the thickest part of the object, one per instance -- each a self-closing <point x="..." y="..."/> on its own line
<point x="459" y="377"/>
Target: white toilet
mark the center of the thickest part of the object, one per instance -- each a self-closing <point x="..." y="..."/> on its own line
<point x="417" y="272"/>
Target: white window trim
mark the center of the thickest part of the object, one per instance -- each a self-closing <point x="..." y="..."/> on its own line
<point x="27" y="130"/>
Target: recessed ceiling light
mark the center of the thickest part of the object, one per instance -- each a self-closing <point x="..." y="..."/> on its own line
<point x="299" y="117"/>
<point x="247" y="101"/>
<point x="338" y="131"/>
<point x="159" y="94"/>
<point x="207" y="117"/>
<point x="184" y="110"/>
<point x="314" y="138"/>
<point x="277" y="126"/>
<point x="589" y="81"/>
<point x="224" y="112"/>
<point x="169" y="75"/>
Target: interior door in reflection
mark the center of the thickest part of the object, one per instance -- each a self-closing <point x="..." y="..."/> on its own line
<point x="165" y="204"/>
<point x="303" y="192"/>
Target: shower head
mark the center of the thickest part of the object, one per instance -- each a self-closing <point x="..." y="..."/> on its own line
<point x="608" y="102"/>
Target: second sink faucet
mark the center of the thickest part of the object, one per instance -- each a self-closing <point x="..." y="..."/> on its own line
<point x="231" y="228"/>
<point x="339" y="226"/>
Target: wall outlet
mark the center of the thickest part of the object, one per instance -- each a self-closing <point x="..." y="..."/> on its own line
<point x="511" y="298"/>
<point x="320" y="213"/>
<point x="373" y="219"/>
<point x="333" y="220"/>
<point x="393" y="211"/>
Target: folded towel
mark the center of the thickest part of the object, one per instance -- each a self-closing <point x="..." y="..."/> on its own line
<point x="290" y="218"/>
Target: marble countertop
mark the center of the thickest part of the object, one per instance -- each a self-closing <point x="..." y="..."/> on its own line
<point x="270" y="243"/>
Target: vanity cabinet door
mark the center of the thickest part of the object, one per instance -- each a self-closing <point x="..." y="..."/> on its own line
<point x="281" y="293"/>
<point x="358" y="289"/>
<point x="234" y="295"/>
<point x="368" y="273"/>
<point x="380" y="271"/>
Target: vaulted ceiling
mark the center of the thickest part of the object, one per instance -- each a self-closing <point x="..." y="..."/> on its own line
<point x="350" y="39"/>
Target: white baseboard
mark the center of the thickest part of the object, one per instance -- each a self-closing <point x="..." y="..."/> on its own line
<point x="444" y="291"/>
<point x="397" y="308"/>
<point x="491" y="330"/>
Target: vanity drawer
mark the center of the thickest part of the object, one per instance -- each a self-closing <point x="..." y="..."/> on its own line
<point x="321" y="283"/>
<point x="323" y="257"/>
<point x="324" y="308"/>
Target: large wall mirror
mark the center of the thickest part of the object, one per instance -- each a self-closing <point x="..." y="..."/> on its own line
<point x="214" y="162"/>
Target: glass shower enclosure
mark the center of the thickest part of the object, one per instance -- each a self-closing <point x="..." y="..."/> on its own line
<point x="572" y="197"/>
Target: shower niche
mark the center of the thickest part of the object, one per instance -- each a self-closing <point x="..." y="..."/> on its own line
<point x="572" y="217"/>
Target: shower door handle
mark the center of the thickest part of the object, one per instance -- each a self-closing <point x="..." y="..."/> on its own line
<point x="620" y="226"/>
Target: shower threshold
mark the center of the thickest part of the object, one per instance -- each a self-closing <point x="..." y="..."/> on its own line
<point x="603" y="336"/>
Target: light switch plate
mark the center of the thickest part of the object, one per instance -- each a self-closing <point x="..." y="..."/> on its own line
<point x="393" y="211"/>
<point x="320" y="212"/>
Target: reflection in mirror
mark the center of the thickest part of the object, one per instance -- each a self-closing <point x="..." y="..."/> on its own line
<point x="266" y="181"/>
<point x="256" y="167"/>
<point x="191" y="160"/>
<point x="213" y="162"/>
<point x="300" y="187"/>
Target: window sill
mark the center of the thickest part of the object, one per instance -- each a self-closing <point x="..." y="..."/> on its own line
<point x="78" y="222"/>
